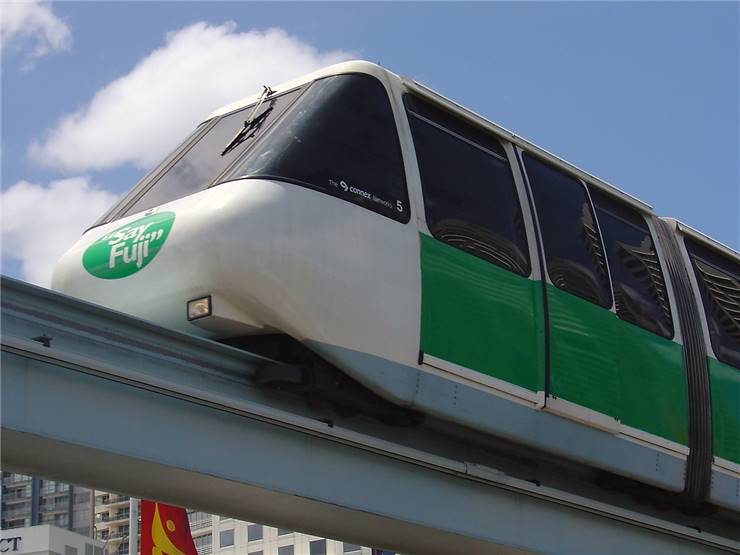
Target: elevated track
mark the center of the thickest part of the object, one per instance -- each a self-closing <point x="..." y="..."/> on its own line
<point x="101" y="399"/>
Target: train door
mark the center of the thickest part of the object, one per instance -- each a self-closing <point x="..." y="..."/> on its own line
<point x="481" y="309"/>
<point x="583" y="364"/>
<point x="653" y="379"/>
<point x="613" y="361"/>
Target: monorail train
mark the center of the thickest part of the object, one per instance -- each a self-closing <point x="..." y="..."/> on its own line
<point x="447" y="265"/>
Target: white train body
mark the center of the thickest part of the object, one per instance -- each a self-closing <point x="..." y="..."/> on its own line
<point x="307" y="255"/>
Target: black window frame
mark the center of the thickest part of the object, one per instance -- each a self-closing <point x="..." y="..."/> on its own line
<point x="455" y="124"/>
<point x="608" y="301"/>
<point x="606" y="204"/>
<point x="711" y="257"/>
<point x="469" y="132"/>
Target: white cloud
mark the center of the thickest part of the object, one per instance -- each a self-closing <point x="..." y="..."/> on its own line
<point x="141" y="116"/>
<point x="40" y="223"/>
<point x="31" y="22"/>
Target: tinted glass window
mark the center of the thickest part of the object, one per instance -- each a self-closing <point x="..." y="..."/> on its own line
<point x="203" y="161"/>
<point x="285" y="550"/>
<point x="573" y="251"/>
<point x="640" y="293"/>
<point x="198" y="517"/>
<point x="254" y="532"/>
<point x="719" y="283"/>
<point x="226" y="538"/>
<point x="339" y="138"/>
<point x="317" y="547"/>
<point x="470" y="198"/>
<point x="430" y="112"/>
<point x="144" y="183"/>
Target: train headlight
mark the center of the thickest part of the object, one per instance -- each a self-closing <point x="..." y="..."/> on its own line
<point x="199" y="308"/>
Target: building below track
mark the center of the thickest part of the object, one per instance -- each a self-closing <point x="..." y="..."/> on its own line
<point x="47" y="539"/>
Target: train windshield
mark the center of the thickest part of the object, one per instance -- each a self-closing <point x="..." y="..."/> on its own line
<point x="337" y="135"/>
<point x="338" y="138"/>
<point x="198" y="162"/>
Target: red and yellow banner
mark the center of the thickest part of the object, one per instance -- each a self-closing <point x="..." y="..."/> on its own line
<point x="165" y="530"/>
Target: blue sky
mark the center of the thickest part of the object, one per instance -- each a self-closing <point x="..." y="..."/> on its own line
<point x="644" y="95"/>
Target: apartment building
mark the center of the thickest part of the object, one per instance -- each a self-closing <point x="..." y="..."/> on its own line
<point x="112" y="521"/>
<point x="31" y="501"/>
<point x="46" y="539"/>
<point x="214" y="535"/>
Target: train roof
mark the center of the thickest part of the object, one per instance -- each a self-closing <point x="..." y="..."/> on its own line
<point x="527" y="145"/>
<point x="362" y="66"/>
<point x="704" y="239"/>
<point x="354" y="66"/>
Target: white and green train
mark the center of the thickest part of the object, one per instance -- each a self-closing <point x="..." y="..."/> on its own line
<point x="447" y="265"/>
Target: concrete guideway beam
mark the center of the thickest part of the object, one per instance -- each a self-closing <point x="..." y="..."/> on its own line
<point x="158" y="425"/>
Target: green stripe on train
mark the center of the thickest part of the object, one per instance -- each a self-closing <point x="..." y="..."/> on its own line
<point x="724" y="381"/>
<point x="480" y="316"/>
<point x="614" y="367"/>
<point x="485" y="318"/>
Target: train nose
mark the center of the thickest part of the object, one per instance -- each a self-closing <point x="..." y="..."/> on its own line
<point x="152" y="264"/>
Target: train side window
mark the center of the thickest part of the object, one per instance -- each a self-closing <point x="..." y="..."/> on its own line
<point x="640" y="293"/>
<point x="470" y="198"/>
<point x="719" y="284"/>
<point x="573" y="251"/>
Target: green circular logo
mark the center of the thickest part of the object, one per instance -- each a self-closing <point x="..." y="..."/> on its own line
<point x="128" y="249"/>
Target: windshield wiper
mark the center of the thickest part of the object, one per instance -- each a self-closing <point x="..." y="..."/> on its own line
<point x="251" y="123"/>
<point x="241" y="135"/>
